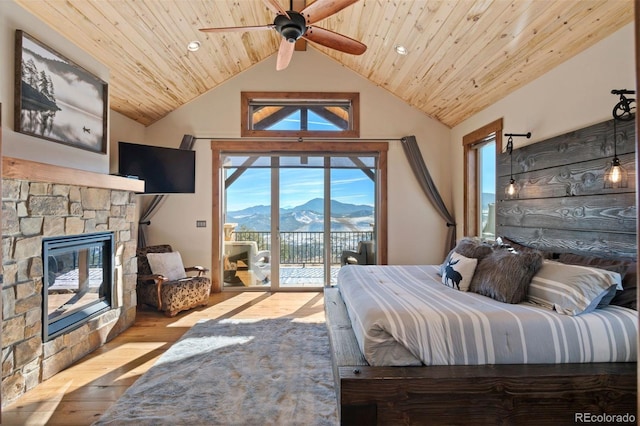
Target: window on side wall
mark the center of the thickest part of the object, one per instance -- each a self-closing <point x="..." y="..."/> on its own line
<point x="300" y="114"/>
<point x="480" y="151"/>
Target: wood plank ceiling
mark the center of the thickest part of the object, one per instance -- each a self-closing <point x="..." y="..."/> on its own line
<point x="463" y="56"/>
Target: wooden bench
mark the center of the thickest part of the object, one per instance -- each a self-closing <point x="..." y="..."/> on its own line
<point x="345" y="352"/>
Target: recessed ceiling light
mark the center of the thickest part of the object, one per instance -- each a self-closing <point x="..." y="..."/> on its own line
<point x="400" y="49"/>
<point x="193" y="46"/>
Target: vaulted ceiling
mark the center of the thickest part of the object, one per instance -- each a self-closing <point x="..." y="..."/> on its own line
<point x="463" y="55"/>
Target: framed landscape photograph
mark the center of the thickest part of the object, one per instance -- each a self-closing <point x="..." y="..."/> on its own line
<point x="56" y="99"/>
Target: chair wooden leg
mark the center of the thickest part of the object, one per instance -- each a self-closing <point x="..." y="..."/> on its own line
<point x="159" y="290"/>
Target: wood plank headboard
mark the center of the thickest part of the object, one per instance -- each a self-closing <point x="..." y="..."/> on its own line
<point x="562" y="204"/>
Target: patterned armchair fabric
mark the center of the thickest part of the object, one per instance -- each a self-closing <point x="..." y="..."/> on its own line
<point x="170" y="297"/>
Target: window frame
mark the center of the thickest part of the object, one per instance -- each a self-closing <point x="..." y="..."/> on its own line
<point x="471" y="168"/>
<point x="295" y="99"/>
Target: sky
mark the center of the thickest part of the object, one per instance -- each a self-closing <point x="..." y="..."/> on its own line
<point x="299" y="185"/>
<point x="488" y="168"/>
<point x="314" y="122"/>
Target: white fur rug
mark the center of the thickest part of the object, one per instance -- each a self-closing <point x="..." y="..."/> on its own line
<point x="236" y="372"/>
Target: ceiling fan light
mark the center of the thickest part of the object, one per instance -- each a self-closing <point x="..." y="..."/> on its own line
<point x="193" y="46"/>
<point x="291" y="33"/>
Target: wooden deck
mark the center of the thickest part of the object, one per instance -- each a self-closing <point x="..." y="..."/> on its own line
<point x="291" y="276"/>
<point x="80" y="394"/>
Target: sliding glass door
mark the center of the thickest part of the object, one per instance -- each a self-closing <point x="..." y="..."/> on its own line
<point x="248" y="221"/>
<point x="289" y="217"/>
<point x="302" y="214"/>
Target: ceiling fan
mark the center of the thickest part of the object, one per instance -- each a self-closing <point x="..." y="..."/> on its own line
<point x="292" y="25"/>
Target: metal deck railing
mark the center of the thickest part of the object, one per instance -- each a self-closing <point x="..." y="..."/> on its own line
<point x="303" y="248"/>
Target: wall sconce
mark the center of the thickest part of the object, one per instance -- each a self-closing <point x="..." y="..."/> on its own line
<point x="616" y="176"/>
<point x="513" y="189"/>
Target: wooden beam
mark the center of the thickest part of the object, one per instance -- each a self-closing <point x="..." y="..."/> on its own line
<point x="276" y="116"/>
<point x="16" y="168"/>
<point x="239" y="171"/>
<point x="331" y="117"/>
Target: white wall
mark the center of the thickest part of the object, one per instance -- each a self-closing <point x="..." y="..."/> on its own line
<point x="575" y="94"/>
<point x="416" y="232"/>
<point x="13" y="17"/>
<point x="122" y="129"/>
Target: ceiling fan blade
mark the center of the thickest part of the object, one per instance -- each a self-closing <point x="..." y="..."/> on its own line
<point x="275" y="7"/>
<point x="242" y="29"/>
<point x="320" y="9"/>
<point x="334" y="40"/>
<point x="284" y="54"/>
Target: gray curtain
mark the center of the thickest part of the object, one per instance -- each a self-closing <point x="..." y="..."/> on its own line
<point x="145" y="217"/>
<point x="421" y="172"/>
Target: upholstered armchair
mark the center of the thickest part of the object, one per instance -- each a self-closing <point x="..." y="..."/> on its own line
<point x="365" y="255"/>
<point x="164" y="284"/>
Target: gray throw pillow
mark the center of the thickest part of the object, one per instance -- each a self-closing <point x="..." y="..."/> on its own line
<point x="505" y="276"/>
<point x="505" y="242"/>
<point x="572" y="289"/>
<point x="169" y="265"/>
<point x="627" y="268"/>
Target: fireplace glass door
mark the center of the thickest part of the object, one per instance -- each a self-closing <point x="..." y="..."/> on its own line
<point x="77" y="280"/>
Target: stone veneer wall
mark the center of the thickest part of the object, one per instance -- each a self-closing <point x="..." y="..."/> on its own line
<point x="31" y="211"/>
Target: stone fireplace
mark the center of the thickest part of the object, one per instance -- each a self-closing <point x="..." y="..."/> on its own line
<point x="40" y="203"/>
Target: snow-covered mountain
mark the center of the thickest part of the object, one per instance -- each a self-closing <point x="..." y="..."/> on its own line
<point x="307" y="217"/>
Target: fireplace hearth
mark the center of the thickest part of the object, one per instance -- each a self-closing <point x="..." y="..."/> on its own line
<point x="77" y="280"/>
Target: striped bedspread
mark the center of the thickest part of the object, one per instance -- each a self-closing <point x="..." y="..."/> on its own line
<point x="403" y="315"/>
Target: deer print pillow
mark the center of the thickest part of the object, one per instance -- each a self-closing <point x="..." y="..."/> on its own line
<point x="458" y="271"/>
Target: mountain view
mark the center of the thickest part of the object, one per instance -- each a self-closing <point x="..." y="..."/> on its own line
<point x="307" y="217"/>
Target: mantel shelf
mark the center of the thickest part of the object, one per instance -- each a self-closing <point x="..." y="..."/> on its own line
<point x="17" y="168"/>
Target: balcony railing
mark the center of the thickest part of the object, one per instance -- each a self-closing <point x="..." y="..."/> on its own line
<point x="303" y="248"/>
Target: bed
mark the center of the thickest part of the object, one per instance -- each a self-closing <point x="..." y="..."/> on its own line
<point x="558" y="370"/>
<point x="565" y="367"/>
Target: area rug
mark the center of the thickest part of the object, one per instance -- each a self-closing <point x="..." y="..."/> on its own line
<point x="236" y="372"/>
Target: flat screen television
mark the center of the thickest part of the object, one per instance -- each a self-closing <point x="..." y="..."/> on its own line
<point x="164" y="170"/>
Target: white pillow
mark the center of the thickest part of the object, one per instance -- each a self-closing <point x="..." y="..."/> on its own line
<point x="458" y="271"/>
<point x="168" y="265"/>
<point x="572" y="289"/>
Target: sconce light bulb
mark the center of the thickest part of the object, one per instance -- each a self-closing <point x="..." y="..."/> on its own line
<point x="616" y="174"/>
<point x="511" y="190"/>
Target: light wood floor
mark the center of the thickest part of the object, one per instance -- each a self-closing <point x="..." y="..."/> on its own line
<point x="81" y="393"/>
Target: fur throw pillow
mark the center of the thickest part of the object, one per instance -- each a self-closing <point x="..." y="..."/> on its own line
<point x="505" y="276"/>
<point x="473" y="247"/>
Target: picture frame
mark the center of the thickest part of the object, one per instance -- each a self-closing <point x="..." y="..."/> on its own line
<point x="56" y="99"/>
